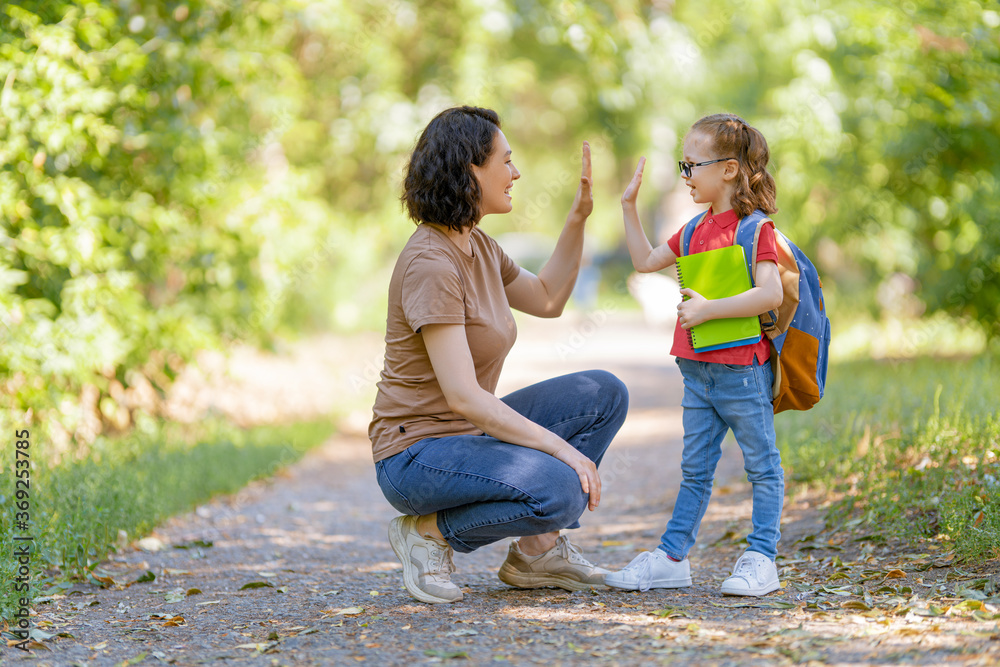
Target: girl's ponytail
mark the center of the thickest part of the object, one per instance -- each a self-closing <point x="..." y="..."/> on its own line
<point x="755" y="187"/>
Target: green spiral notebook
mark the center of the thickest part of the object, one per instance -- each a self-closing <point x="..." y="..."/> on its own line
<point x="716" y="274"/>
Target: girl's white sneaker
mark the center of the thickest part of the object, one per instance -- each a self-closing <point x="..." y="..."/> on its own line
<point x="651" y="569"/>
<point x="754" y="574"/>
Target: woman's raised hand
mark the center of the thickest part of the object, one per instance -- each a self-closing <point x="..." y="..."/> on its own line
<point x="632" y="191"/>
<point x="583" y="204"/>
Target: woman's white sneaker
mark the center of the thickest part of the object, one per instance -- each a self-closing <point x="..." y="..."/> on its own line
<point x="427" y="563"/>
<point x="754" y="574"/>
<point x="651" y="569"/>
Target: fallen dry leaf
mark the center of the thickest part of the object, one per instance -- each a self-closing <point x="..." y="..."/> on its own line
<point x="256" y="584"/>
<point x="350" y="611"/>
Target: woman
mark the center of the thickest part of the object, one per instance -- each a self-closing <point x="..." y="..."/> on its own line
<point x="464" y="467"/>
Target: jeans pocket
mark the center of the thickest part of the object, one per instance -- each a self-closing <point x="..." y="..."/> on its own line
<point x="737" y="368"/>
<point x="400" y="502"/>
<point x="764" y="377"/>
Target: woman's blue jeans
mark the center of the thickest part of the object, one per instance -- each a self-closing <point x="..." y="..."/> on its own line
<point x="719" y="397"/>
<point x="485" y="490"/>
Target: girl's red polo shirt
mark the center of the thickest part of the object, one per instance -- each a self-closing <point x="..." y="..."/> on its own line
<point x="717" y="231"/>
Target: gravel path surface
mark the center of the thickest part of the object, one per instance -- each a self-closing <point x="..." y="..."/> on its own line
<point x="298" y="570"/>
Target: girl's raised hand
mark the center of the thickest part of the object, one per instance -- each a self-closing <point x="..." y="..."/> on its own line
<point x="632" y="191"/>
<point x="583" y="204"/>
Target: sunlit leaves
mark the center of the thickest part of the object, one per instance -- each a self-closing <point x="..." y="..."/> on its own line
<point x="112" y="190"/>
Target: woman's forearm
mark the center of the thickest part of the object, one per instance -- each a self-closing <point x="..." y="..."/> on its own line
<point x="495" y="418"/>
<point x="558" y="276"/>
<point x="448" y="350"/>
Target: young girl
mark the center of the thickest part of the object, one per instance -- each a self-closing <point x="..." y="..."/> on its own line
<point x="724" y="164"/>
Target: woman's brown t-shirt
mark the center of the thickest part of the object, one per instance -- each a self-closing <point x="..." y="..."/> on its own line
<point x="436" y="283"/>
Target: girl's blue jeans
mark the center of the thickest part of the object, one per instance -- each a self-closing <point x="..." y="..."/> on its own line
<point x="719" y="397"/>
<point x="485" y="490"/>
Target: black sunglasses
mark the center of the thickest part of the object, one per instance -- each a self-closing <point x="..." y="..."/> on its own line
<point x="686" y="167"/>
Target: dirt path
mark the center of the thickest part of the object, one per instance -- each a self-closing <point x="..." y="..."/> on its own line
<point x="328" y="589"/>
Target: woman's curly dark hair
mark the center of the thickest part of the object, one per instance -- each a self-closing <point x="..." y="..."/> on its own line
<point x="439" y="185"/>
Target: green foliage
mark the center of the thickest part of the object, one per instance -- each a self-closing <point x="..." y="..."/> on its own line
<point x="131" y="484"/>
<point x="914" y="445"/>
<point x="132" y="234"/>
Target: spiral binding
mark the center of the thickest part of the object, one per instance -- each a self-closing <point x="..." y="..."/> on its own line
<point x="680" y="280"/>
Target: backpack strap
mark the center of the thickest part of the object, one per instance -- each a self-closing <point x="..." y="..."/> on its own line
<point x="748" y="235"/>
<point x="689" y="232"/>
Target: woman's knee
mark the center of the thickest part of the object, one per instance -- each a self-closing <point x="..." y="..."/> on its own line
<point x="569" y="510"/>
<point x="607" y="389"/>
<point x="608" y="382"/>
<point x="563" y="500"/>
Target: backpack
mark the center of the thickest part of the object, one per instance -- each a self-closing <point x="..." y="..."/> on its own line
<point x="799" y="330"/>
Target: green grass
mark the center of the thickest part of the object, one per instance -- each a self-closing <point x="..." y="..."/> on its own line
<point x="132" y="484"/>
<point x="911" y="448"/>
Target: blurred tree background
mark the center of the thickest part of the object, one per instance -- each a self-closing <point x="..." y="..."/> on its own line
<point x="175" y="176"/>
